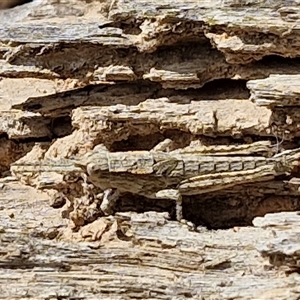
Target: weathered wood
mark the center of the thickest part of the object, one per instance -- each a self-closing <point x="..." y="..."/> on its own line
<point x="129" y="74"/>
<point x="19" y="125"/>
<point x="283" y="248"/>
<point x="130" y="255"/>
<point x="276" y="90"/>
<point x="197" y="118"/>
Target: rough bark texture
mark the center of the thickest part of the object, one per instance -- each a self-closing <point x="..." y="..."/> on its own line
<point x="215" y="75"/>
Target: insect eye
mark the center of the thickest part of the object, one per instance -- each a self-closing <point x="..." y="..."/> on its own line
<point x="97" y="168"/>
<point x="92" y="168"/>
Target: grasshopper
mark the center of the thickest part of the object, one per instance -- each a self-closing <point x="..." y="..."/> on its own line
<point x="171" y="175"/>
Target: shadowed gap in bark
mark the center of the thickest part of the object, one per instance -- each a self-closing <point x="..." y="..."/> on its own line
<point x="5" y="4"/>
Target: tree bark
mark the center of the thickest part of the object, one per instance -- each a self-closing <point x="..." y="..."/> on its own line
<point x="129" y="74"/>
